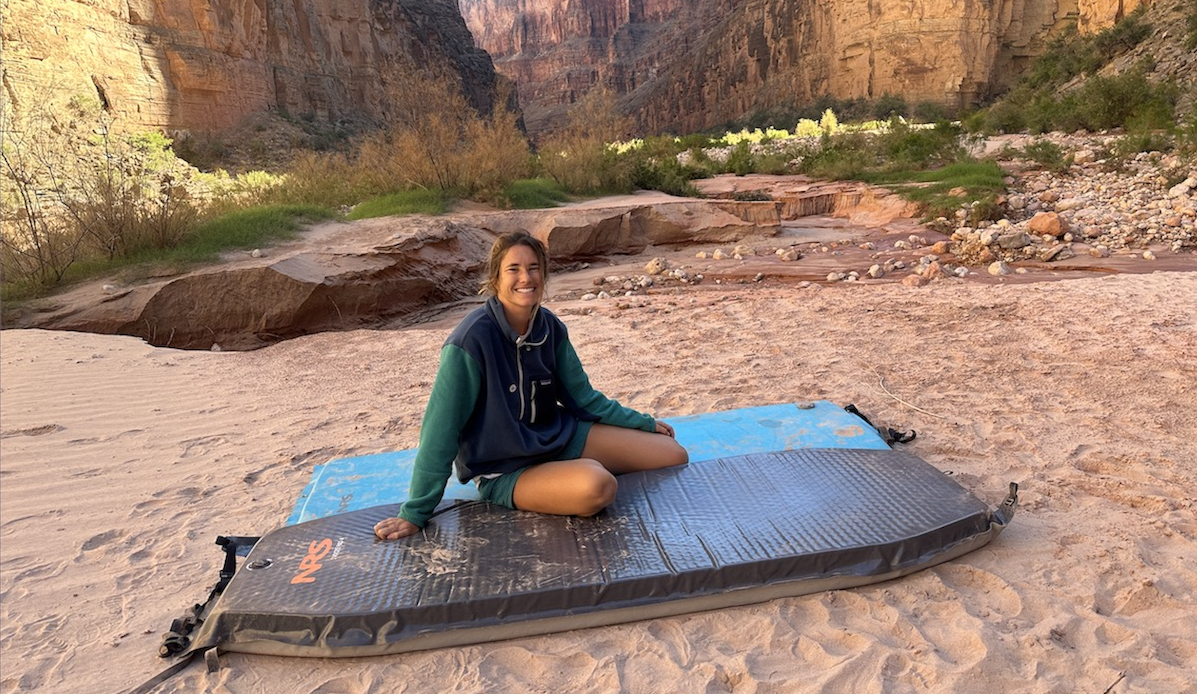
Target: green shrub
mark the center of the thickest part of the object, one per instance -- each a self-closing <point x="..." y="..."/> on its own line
<point x="1138" y="141"/>
<point x="890" y="106"/>
<point x="740" y="160"/>
<point x="904" y="147"/>
<point x="929" y="112"/>
<point x="841" y="157"/>
<point x="1123" y="36"/>
<point x="1111" y="102"/>
<point x="1048" y="155"/>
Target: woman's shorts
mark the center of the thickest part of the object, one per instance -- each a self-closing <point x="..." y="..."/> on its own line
<point x="501" y="490"/>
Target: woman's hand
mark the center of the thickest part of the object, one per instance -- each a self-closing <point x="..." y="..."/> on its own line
<point x="394" y="528"/>
<point x="663" y="428"/>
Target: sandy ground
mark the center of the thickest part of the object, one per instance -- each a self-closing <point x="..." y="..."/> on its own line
<point x="123" y="462"/>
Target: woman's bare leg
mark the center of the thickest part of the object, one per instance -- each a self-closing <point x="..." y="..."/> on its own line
<point x="623" y="450"/>
<point x="585" y="486"/>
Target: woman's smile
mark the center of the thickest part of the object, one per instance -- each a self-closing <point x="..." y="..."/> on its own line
<point x="521" y="285"/>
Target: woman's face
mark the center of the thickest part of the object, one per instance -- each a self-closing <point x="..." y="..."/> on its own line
<point x="521" y="279"/>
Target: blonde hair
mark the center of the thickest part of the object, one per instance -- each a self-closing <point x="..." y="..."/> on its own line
<point x="490" y="284"/>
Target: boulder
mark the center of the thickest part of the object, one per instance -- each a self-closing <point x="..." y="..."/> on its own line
<point x="1048" y="224"/>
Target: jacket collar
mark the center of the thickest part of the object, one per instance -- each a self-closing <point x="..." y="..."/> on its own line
<point x="496" y="311"/>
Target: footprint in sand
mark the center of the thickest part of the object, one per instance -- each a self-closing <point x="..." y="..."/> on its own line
<point x="33" y="431"/>
<point x="104" y="538"/>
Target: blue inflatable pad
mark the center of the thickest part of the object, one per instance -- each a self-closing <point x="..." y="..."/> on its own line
<point x="351" y="484"/>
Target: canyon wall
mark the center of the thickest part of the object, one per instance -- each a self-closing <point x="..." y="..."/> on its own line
<point x="686" y="65"/>
<point x="203" y="65"/>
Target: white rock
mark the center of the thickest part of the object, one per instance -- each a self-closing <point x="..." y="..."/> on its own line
<point x="589" y="297"/>
<point x="719" y="254"/>
<point x="656" y="266"/>
<point x="999" y="268"/>
<point x="1183" y="188"/>
<point x="257" y="253"/>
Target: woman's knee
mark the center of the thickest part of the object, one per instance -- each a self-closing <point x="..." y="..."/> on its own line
<point x="670" y="453"/>
<point x="596" y="491"/>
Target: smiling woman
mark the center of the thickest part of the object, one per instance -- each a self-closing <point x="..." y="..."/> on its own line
<point x="513" y="410"/>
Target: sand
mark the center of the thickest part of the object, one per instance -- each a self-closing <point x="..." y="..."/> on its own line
<point x="121" y="463"/>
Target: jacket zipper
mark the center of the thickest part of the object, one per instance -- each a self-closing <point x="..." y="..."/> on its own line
<point x="519" y="374"/>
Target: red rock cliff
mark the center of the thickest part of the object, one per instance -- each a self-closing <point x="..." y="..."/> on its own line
<point x="683" y="66"/>
<point x="205" y="64"/>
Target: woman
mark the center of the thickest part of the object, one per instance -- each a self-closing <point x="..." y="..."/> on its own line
<point x="513" y="410"/>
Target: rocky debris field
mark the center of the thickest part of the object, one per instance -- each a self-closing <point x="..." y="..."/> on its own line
<point x="1140" y="208"/>
<point x="1100" y="213"/>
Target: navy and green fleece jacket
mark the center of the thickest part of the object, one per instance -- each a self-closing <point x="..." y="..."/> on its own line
<point x="501" y="402"/>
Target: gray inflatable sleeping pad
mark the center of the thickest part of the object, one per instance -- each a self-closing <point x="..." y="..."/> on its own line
<point x="720" y="533"/>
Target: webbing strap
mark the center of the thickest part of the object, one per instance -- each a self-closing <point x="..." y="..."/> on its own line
<point x="888" y="434"/>
<point x="178" y="639"/>
<point x="149" y="685"/>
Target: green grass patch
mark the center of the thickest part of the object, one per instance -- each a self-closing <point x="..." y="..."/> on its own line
<point x="415" y="201"/>
<point x="533" y="194"/>
<point x="979" y="181"/>
<point x="242" y="229"/>
<point x="250" y="228"/>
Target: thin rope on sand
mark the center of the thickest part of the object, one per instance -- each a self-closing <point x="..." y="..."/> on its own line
<point x="881" y="382"/>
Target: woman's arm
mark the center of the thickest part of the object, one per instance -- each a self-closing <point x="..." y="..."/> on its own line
<point x="577" y="384"/>
<point x="458" y="382"/>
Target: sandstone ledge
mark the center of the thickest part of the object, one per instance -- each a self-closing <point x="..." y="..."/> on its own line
<point x="360" y="274"/>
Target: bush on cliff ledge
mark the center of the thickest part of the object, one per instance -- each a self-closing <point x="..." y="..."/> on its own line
<point x="431" y="140"/>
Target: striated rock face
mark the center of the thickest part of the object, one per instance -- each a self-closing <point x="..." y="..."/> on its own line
<point x="206" y="64"/>
<point x="367" y="274"/>
<point x="683" y="66"/>
<point x="371" y="272"/>
<point x="580" y="232"/>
